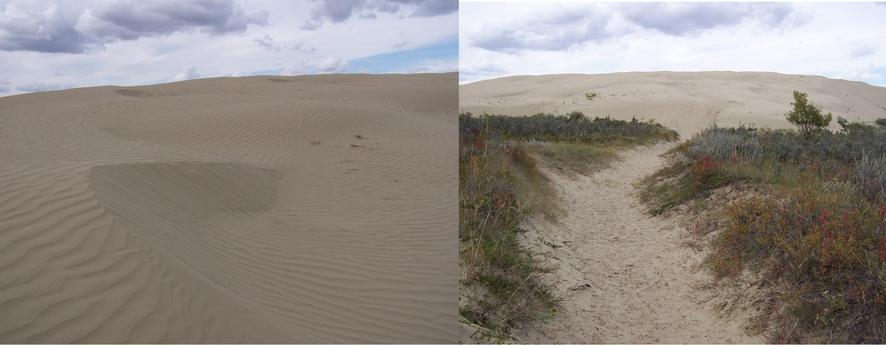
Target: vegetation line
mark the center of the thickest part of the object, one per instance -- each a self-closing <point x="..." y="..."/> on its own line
<point x="500" y="185"/>
<point x="811" y="222"/>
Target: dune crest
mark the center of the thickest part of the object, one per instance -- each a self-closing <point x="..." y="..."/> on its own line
<point x="684" y="101"/>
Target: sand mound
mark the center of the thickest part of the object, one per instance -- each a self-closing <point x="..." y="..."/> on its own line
<point x="231" y="210"/>
<point x="685" y="101"/>
<point x="183" y="188"/>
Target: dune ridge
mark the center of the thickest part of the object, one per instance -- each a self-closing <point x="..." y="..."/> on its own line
<point x="231" y="210"/>
<point x="684" y="101"/>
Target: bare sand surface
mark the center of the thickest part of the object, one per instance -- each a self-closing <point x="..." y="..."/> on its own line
<point x="627" y="277"/>
<point x="258" y="209"/>
<point x="684" y="101"/>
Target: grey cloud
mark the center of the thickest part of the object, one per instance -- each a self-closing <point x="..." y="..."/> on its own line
<point x="52" y="29"/>
<point x="134" y="19"/>
<point x="557" y="31"/>
<point x="337" y="11"/>
<point x="188" y="74"/>
<point x="331" y="65"/>
<point x="683" y="18"/>
<point x="314" y="65"/>
<point x="39" y="87"/>
<point x="471" y="74"/>
<point x="266" y="42"/>
<point x="861" y="50"/>
<point x="49" y="29"/>
<point x="571" y="26"/>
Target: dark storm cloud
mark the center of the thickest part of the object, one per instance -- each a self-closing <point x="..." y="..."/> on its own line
<point x="337" y="11"/>
<point x="52" y="30"/>
<point x="570" y="27"/>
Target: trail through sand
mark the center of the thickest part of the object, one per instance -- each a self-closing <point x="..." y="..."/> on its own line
<point x="626" y="276"/>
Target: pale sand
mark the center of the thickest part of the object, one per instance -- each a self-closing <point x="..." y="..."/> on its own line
<point x="201" y="211"/>
<point x="627" y="277"/>
<point x="685" y="101"/>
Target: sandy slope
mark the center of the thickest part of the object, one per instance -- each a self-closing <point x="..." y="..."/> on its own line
<point x="202" y="211"/>
<point x="627" y="277"/>
<point x="687" y="102"/>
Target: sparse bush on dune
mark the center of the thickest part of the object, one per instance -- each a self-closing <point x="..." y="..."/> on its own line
<point x="806" y="116"/>
<point x="816" y="231"/>
<point x="500" y="185"/>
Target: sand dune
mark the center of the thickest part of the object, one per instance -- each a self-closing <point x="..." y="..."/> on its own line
<point x="685" y="101"/>
<point x="231" y="210"/>
<point x="627" y="276"/>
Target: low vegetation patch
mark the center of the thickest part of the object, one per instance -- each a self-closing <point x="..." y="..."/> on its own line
<point x="816" y="231"/>
<point x="501" y="184"/>
<point x="590" y="95"/>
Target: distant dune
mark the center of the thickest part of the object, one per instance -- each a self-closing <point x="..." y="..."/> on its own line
<point x="259" y="209"/>
<point x="685" y="101"/>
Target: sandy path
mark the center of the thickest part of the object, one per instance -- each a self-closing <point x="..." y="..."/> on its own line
<point x="625" y="275"/>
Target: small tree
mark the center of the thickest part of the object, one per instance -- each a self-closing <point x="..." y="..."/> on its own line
<point x="806" y="116"/>
<point x="881" y="122"/>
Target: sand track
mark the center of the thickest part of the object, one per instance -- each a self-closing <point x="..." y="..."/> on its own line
<point x="231" y="210"/>
<point x="626" y="276"/>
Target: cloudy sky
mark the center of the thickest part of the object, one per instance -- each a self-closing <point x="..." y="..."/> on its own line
<point x="57" y="44"/>
<point x="845" y="40"/>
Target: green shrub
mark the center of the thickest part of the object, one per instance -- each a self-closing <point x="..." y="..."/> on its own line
<point x="870" y="177"/>
<point x="822" y="253"/>
<point x="816" y="234"/>
<point x="501" y="283"/>
<point x="590" y="95"/>
<point x="806" y="116"/>
<point x="573" y="127"/>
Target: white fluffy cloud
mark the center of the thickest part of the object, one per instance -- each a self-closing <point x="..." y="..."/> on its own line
<point x="836" y="40"/>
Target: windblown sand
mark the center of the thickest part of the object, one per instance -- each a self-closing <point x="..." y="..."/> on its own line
<point x="684" y="101"/>
<point x="628" y="277"/>
<point x="259" y="209"/>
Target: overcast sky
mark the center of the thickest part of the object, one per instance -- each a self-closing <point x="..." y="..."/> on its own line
<point x="57" y="44"/>
<point x="845" y="40"/>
